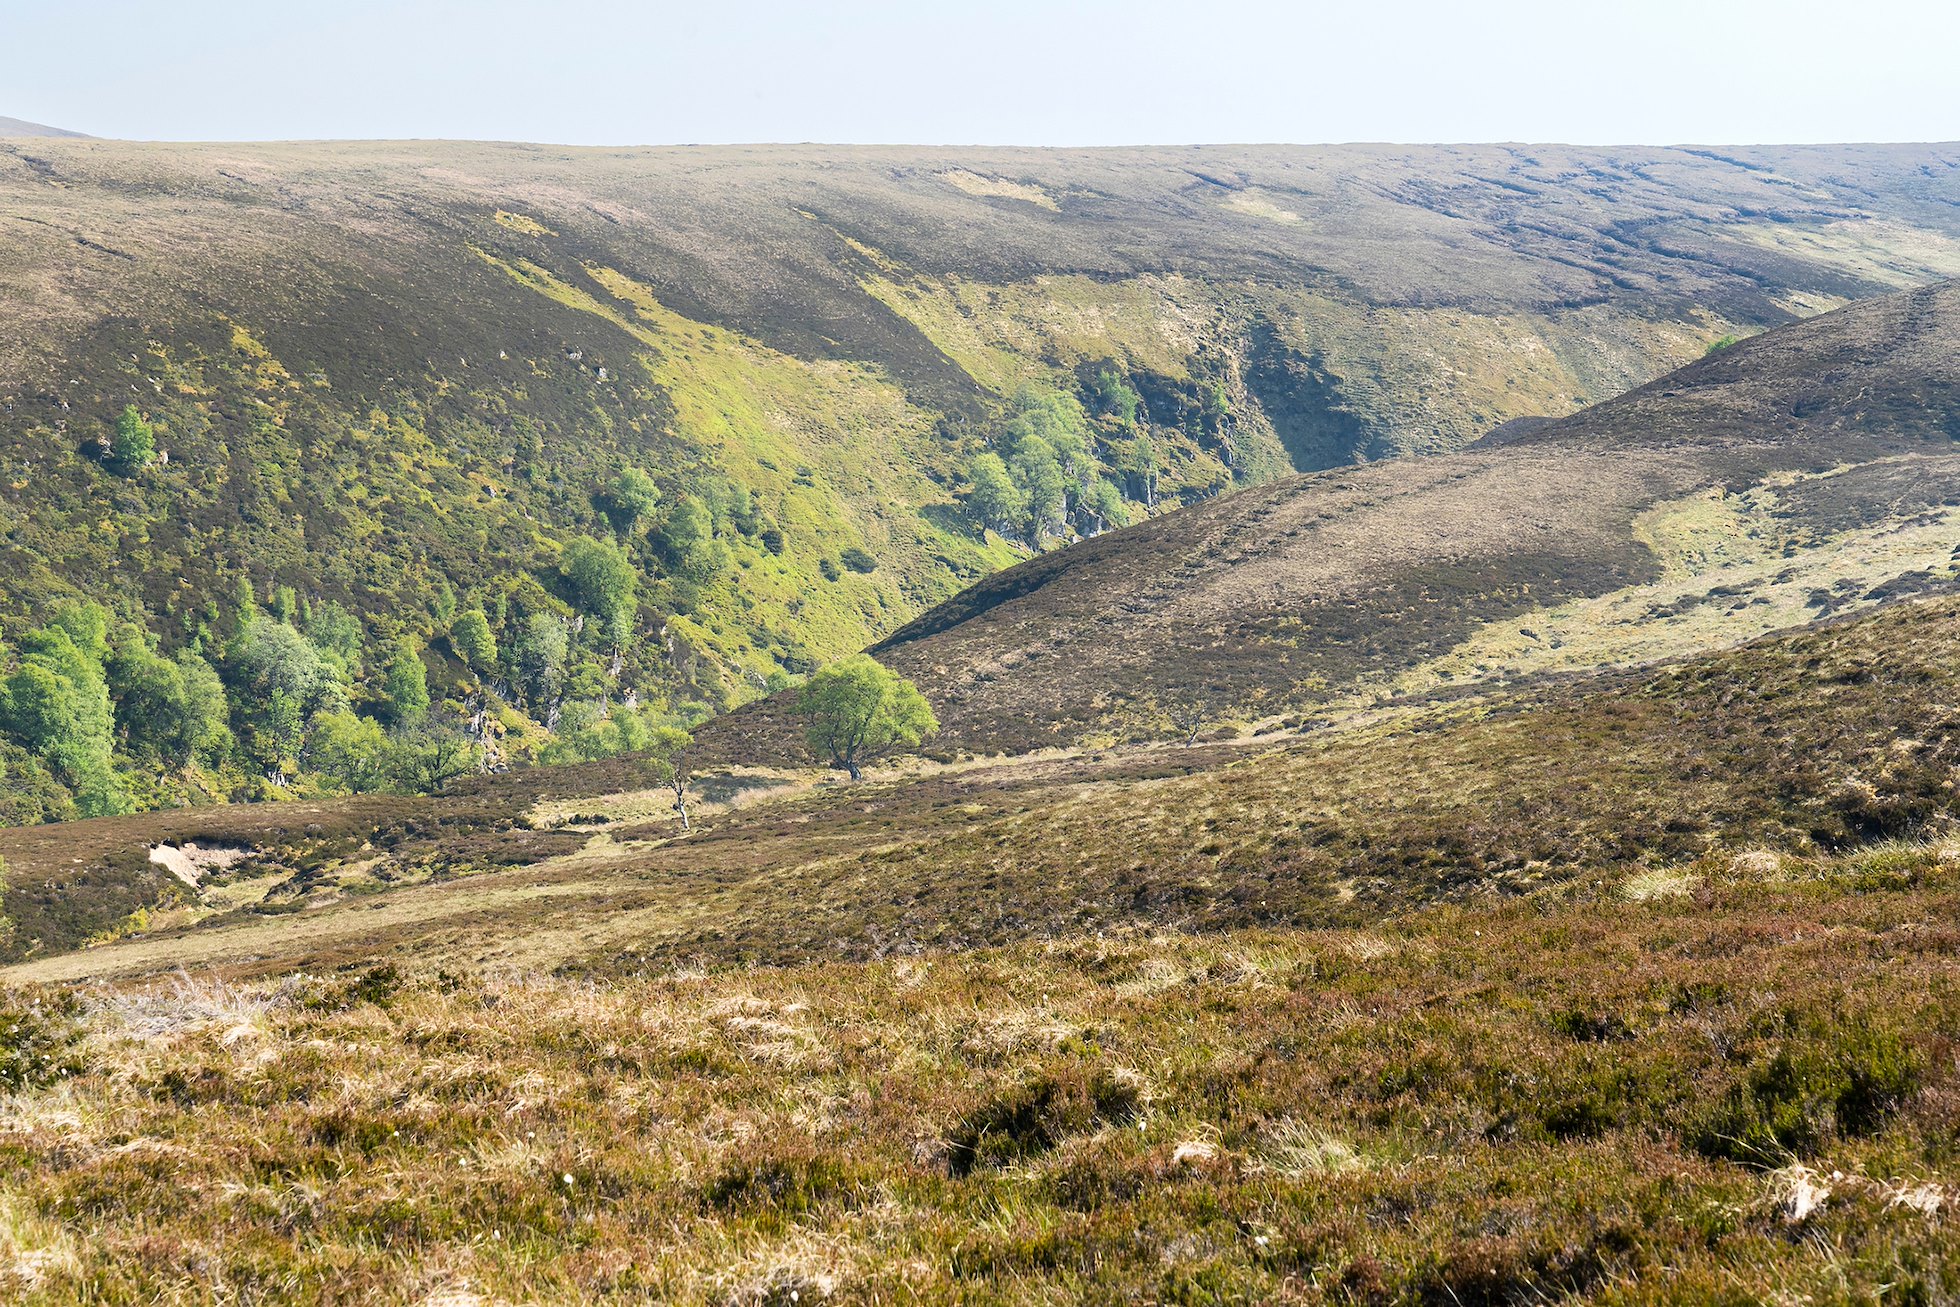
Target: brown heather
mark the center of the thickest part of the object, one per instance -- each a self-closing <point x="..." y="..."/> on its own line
<point x="1740" y="1092"/>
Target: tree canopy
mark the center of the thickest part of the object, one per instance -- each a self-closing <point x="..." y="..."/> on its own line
<point x="629" y="498"/>
<point x="857" y="709"/>
<point x="134" y="444"/>
<point x="407" y="686"/>
<point x="470" y="636"/>
<point x="604" y="582"/>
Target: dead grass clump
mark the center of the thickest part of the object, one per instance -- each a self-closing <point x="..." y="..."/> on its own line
<point x="1296" y="1149"/>
<point x="1657" y="883"/>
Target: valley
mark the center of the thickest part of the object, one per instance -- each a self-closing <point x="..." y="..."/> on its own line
<point x="1435" y="723"/>
<point x="367" y="389"/>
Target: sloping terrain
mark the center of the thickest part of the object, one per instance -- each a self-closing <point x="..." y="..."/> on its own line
<point x="1808" y="744"/>
<point x="1484" y="985"/>
<point x="380" y="370"/>
<point x="466" y="447"/>
<point x="1805" y="474"/>
<point x="1799" y="473"/>
<point x="19" y="127"/>
<point x="1730" y="1085"/>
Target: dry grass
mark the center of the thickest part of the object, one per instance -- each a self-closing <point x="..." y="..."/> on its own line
<point x="1507" y="1104"/>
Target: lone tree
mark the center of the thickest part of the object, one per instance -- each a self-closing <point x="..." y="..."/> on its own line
<point x="1189" y="719"/>
<point x="668" y="753"/>
<point x="856" y="709"/>
<point x="134" y="444"/>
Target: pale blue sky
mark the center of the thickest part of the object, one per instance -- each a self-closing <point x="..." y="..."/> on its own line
<point x="1007" y="72"/>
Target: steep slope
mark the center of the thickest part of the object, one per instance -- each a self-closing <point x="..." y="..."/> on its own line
<point x="1799" y="473"/>
<point x="366" y="392"/>
<point x="439" y="349"/>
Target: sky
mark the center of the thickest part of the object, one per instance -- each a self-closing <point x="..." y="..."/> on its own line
<point x="1005" y="72"/>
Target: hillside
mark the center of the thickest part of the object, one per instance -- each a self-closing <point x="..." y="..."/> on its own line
<point x="1619" y="985"/>
<point x="1807" y="471"/>
<point x="1611" y="992"/>
<point x="1725" y="1084"/>
<point x="1792" y="744"/>
<point x="17" y="127"/>
<point x="1802" y="475"/>
<point x="372" y="388"/>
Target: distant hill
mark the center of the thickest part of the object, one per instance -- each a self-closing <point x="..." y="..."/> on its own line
<point x="11" y="127"/>
<point x="1802" y="473"/>
<point x="394" y="382"/>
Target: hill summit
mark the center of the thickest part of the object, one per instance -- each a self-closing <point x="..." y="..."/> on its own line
<point x="18" y="127"/>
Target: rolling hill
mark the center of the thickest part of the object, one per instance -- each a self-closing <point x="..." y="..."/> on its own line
<point x="1477" y="620"/>
<point x="394" y="381"/>
<point x="1807" y="471"/>
<point x="1567" y="938"/>
<point x="17" y="127"/>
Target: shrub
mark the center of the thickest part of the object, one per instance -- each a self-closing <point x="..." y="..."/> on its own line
<point x="788" y="1177"/>
<point x="1838" y="1076"/>
<point x="858" y="561"/>
<point x="1033" y="1117"/>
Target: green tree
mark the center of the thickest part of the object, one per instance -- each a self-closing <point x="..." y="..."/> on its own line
<point x="337" y="634"/>
<point x="996" y="501"/>
<point x="1115" y="397"/>
<point x="56" y="705"/>
<point x="350" y="750"/>
<point x="856" y="710"/>
<point x="407" y="686"/>
<point x="604" y="582"/>
<point x="686" y="535"/>
<point x="1141" y="467"/>
<point x="134" y="444"/>
<point x="540" y="656"/>
<point x="205" y="709"/>
<point x="1045" y="486"/>
<point x="279" y="682"/>
<point x="1104" y="502"/>
<point x="630" y="499"/>
<point x="470" y="637"/>
<point x="87" y="624"/>
<point x="154" y="710"/>
<point x="1049" y="415"/>
<point x="425" y="759"/>
<point x="442" y="604"/>
<point x="666" y="751"/>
